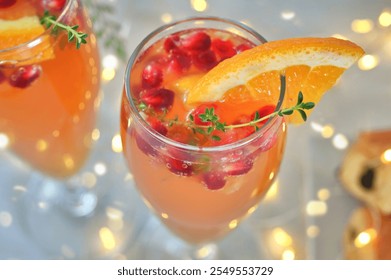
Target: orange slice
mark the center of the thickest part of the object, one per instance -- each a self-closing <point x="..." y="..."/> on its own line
<point x="15" y="32"/>
<point x="311" y="65"/>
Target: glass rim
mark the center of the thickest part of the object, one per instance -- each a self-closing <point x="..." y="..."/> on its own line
<point x="39" y="39"/>
<point x="136" y="116"/>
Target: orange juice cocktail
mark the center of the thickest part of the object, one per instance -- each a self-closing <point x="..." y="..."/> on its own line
<point x="48" y="88"/>
<point x="201" y="183"/>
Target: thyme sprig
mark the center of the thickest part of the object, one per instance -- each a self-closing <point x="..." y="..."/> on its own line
<point x="212" y="121"/>
<point x="209" y="115"/>
<point x="49" y="20"/>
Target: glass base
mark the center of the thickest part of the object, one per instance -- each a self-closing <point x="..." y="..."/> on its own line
<point x="155" y="241"/>
<point x="71" y="222"/>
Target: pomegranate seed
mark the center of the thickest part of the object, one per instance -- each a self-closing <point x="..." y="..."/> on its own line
<point x="241" y="165"/>
<point x="201" y="110"/>
<point x="179" y="162"/>
<point x="264" y="111"/>
<point x="152" y="76"/>
<point x="25" y="75"/>
<point x="197" y="42"/>
<point x="2" y="77"/>
<point x="243" y="47"/>
<point x="159" y="99"/>
<point x="178" y="62"/>
<point x="157" y="125"/>
<point x="223" y="48"/>
<point x="214" y="180"/>
<point x="171" y="43"/>
<point x="53" y="5"/>
<point x="7" y="3"/>
<point x="205" y="60"/>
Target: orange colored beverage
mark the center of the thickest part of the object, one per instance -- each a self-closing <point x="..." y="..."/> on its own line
<point x="49" y="91"/>
<point x="201" y="184"/>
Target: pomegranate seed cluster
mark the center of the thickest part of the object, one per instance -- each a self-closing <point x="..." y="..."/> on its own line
<point x="179" y="55"/>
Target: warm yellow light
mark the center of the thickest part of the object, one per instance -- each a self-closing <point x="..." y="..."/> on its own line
<point x="365" y="237"/>
<point x="116" y="143"/>
<point x="233" y="224"/>
<point x="385" y="18"/>
<point x="368" y="62"/>
<point x="164" y="216"/>
<point x="323" y="194"/>
<point x="4" y="140"/>
<point x="108" y="74"/>
<point x="199" y="5"/>
<point x="362" y="25"/>
<point x="68" y="161"/>
<point x="166" y="18"/>
<point x="272" y="192"/>
<point x="288" y="254"/>
<point x="251" y="210"/>
<point x="313" y="231"/>
<point x="327" y="131"/>
<point x="281" y="237"/>
<point x="386" y="156"/>
<point x="41" y="145"/>
<point x="316" y="208"/>
<point x="107" y="238"/>
<point x="95" y="134"/>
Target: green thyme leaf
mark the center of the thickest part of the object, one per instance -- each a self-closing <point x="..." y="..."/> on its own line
<point x="49" y="20"/>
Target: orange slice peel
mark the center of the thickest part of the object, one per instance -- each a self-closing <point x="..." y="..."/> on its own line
<point x="311" y="65"/>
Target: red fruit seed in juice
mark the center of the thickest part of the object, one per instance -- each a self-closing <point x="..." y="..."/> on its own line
<point x="223" y="48"/>
<point x="7" y="3"/>
<point x="264" y="111"/>
<point x="53" y="5"/>
<point x="178" y="162"/>
<point x="152" y="76"/>
<point x="159" y="99"/>
<point x="197" y="42"/>
<point x="157" y="125"/>
<point x="172" y="43"/>
<point x="25" y="75"/>
<point x="178" y="62"/>
<point x="205" y="60"/>
<point x="243" y="47"/>
<point x="214" y="180"/>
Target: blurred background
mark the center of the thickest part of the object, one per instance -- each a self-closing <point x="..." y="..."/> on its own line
<point x="306" y="211"/>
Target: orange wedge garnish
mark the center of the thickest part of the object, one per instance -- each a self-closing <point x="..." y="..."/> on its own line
<point x="19" y="26"/>
<point x="311" y="65"/>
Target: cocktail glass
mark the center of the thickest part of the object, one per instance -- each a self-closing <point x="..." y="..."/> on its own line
<point x="49" y="98"/>
<point x="200" y="193"/>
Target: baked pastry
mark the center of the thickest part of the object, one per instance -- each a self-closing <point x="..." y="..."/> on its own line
<point x="368" y="235"/>
<point x="365" y="172"/>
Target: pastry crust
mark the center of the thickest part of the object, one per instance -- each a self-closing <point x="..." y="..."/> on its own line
<point x="365" y="174"/>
